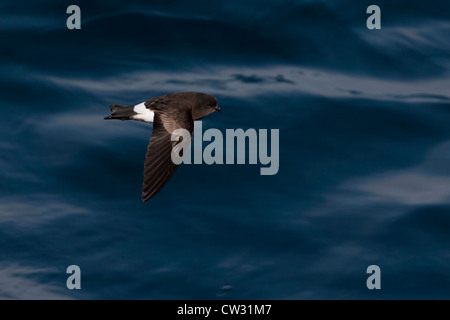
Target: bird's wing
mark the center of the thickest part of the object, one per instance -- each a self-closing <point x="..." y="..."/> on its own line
<point x="159" y="167"/>
<point x="158" y="103"/>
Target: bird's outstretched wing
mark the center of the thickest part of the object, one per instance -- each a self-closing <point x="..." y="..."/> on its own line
<point x="159" y="167"/>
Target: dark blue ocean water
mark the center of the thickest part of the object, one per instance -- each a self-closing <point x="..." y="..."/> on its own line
<point x="364" y="173"/>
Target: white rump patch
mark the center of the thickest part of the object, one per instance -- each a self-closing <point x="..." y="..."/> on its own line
<point x="143" y="113"/>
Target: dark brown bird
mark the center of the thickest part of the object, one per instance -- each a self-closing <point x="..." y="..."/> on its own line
<point x="168" y="113"/>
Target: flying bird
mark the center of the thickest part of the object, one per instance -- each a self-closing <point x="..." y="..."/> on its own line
<point x="168" y="113"/>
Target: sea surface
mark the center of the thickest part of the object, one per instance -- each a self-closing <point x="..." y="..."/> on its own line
<point x="364" y="150"/>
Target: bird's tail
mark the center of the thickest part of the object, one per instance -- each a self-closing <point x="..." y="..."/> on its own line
<point x="120" y="112"/>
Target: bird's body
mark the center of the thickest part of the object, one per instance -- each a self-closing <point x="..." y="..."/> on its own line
<point x="168" y="113"/>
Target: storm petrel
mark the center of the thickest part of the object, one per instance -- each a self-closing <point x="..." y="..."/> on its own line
<point x="168" y="113"/>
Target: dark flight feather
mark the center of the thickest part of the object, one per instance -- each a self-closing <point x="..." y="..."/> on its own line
<point x="159" y="167"/>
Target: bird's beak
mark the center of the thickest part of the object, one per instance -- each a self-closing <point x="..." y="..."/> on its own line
<point x="218" y="109"/>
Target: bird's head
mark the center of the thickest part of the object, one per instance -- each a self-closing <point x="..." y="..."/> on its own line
<point x="204" y="105"/>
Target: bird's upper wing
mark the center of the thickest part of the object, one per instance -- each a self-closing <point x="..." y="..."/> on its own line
<point x="159" y="167"/>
